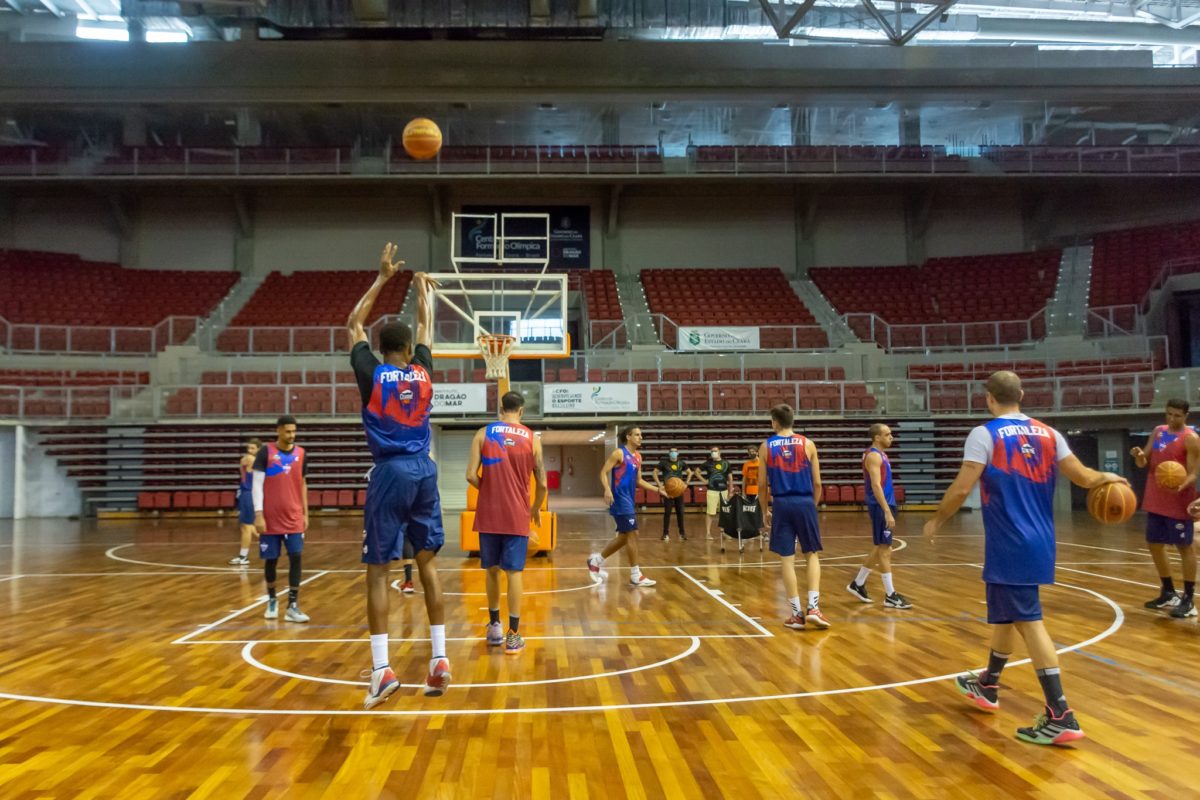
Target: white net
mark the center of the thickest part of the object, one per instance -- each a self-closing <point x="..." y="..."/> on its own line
<point x="496" y="348"/>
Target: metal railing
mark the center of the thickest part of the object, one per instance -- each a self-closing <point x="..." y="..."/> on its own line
<point x="69" y="403"/>
<point x="21" y="337"/>
<point x="1001" y="335"/>
<point x="257" y="339"/>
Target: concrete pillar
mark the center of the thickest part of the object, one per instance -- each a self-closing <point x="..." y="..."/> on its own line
<point x="133" y="128"/>
<point x="8" y="211"/>
<point x="19" y="506"/>
<point x="610" y="127"/>
<point x="249" y="129"/>
<point x="802" y="125"/>
<point x="910" y="125"/>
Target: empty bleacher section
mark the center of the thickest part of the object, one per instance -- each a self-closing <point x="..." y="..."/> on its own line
<point x="54" y="302"/>
<point x="734" y="298"/>
<point x="65" y="393"/>
<point x="1127" y="264"/>
<point x="606" y="325"/>
<point x="305" y="312"/>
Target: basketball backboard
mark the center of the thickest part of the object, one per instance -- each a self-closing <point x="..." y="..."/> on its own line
<point x="531" y="307"/>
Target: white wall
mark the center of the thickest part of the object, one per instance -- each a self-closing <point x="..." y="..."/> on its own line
<point x="587" y="461"/>
<point x="68" y="223"/>
<point x="48" y="490"/>
<point x="191" y="232"/>
<point x="7" y="470"/>
<point x="326" y="230"/>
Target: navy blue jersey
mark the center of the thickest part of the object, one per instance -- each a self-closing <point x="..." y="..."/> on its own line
<point x="396" y="402"/>
<point x="789" y="472"/>
<point x="885" y="479"/>
<point x="624" y="481"/>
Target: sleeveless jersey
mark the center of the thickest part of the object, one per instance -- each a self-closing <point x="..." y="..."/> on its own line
<point x="624" y="481"/>
<point x="1017" y="493"/>
<point x="283" y="490"/>
<point x="504" y="485"/>
<point x="397" y="417"/>
<point x="1167" y="446"/>
<point x="789" y="472"/>
<point x="885" y="478"/>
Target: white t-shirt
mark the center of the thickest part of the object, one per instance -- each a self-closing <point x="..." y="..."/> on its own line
<point x="980" y="444"/>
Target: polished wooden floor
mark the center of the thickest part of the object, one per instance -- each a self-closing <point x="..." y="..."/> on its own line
<point x="135" y="664"/>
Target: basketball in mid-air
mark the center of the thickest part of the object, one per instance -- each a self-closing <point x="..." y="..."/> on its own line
<point x="1170" y="474"/>
<point x="674" y="487"/>
<point x="422" y="139"/>
<point x="1111" y="503"/>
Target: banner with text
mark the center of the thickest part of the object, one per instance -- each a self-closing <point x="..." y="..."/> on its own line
<point x="590" y="398"/>
<point x="570" y="229"/>
<point x="718" y="339"/>
<point x="460" y="398"/>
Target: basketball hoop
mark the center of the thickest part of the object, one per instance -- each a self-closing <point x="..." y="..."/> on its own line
<point x="496" y="348"/>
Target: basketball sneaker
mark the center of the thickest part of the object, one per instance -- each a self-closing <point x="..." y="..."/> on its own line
<point x="682" y="537"/>
<point x="896" y="600"/>
<point x="666" y="538"/>
<point x="439" y="678"/>
<point x="640" y="580"/>
<point x="272" y="611"/>
<point x="383" y="683"/>
<point x="1049" y="729"/>
<point x="795" y="622"/>
<point x="239" y="561"/>
<point x="513" y="643"/>
<point x="594" y="562"/>
<point x="407" y="587"/>
<point x="858" y="591"/>
<point x="815" y="618"/>
<point x="294" y="614"/>
<point x="1164" y="600"/>
<point x="495" y="634"/>
<point x="1184" y="609"/>
<point x="985" y="697"/>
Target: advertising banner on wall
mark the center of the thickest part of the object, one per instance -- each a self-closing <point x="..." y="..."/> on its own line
<point x="590" y="398"/>
<point x="460" y="398"/>
<point x="718" y="339"/>
<point x="570" y="227"/>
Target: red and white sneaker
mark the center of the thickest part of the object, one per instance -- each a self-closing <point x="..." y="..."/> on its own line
<point x="640" y="580"/>
<point x="439" y="678"/>
<point x="815" y="618"/>
<point x="407" y="587"/>
<point x="598" y="575"/>
<point x="383" y="684"/>
<point x="795" y="622"/>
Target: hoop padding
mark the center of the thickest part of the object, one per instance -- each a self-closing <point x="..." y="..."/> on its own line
<point x="496" y="348"/>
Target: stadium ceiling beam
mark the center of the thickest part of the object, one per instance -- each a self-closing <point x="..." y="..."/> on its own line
<point x="53" y="8"/>
<point x="15" y="5"/>
<point x="784" y="29"/>
<point x="877" y="15"/>
<point x="925" y="21"/>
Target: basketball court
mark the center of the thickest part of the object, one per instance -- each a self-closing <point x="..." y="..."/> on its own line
<point x="132" y="645"/>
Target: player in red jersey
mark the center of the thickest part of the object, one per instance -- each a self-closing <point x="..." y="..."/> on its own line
<point x="503" y="456"/>
<point x="280" y="492"/>
<point x="1168" y="511"/>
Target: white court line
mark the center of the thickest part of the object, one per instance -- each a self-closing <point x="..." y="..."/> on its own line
<point x="1118" y="620"/>
<point x="208" y="627"/>
<point x="1109" y="549"/>
<point x="716" y="595"/>
<point x="10" y="578"/>
<point x="112" y="553"/>
<point x="248" y="656"/>
<point x="1110" y="577"/>
<point x="365" y="640"/>
<point x="590" y="585"/>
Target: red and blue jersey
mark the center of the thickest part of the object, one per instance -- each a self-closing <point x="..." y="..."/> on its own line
<point x="885" y="478"/>
<point x="283" y="487"/>
<point x="507" y="463"/>
<point x="624" y="481"/>
<point x="396" y="402"/>
<point x="1017" y="494"/>
<point x="1166" y="445"/>
<point x="789" y="472"/>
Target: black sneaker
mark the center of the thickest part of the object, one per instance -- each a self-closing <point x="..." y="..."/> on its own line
<point x="858" y="591"/>
<point x="985" y="697"/>
<point x="1049" y="729"/>
<point x="682" y="538"/>
<point x="1186" y="607"/>
<point x="896" y="600"/>
<point x="1164" y="600"/>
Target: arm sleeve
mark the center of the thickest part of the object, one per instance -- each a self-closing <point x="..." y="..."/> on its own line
<point x="1061" y="445"/>
<point x="424" y="357"/>
<point x="364" y="363"/>
<point x="260" y="460"/>
<point x="304" y="466"/>
<point x="979" y="446"/>
<point x="256" y="491"/>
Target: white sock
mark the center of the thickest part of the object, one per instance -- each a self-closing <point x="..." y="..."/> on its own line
<point x="244" y="551"/>
<point x="795" y="604"/>
<point x="887" y="582"/>
<point x="599" y="559"/>
<point x="438" y="634"/>
<point x="863" y="574"/>
<point x="635" y="572"/>
<point x="379" y="650"/>
<point x="813" y="597"/>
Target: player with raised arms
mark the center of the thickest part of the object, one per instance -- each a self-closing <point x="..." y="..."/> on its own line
<point x="403" y="503"/>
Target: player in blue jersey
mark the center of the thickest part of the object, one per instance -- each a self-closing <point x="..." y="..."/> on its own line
<point x="787" y="497"/>
<point x="403" y="505"/>
<point x="1016" y="460"/>
<point x="621" y="476"/>
<point x="245" y="502"/>
<point x="881" y="509"/>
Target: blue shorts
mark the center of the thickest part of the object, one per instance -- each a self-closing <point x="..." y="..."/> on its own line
<point x="270" y="545"/>
<point x="245" y="506"/>
<point x="503" y="550"/>
<point x="403" y="505"/>
<point x="1165" y="530"/>
<point x="625" y="522"/>
<point x="880" y="534"/>
<point x="792" y="520"/>
<point x="1008" y="603"/>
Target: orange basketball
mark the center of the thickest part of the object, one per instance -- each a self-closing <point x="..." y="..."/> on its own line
<point x="422" y="138"/>
<point x="1111" y="503"/>
<point x="1170" y="474"/>
<point x="674" y="487"/>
